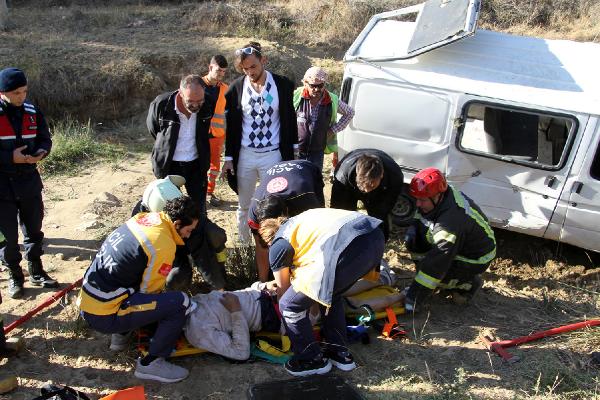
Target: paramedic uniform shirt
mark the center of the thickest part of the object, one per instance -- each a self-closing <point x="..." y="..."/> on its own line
<point x="298" y="182"/>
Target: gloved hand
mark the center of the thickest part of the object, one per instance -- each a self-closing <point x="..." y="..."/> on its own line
<point x="410" y="238"/>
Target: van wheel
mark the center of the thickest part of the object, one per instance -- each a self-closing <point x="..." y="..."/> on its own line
<point x="404" y="210"/>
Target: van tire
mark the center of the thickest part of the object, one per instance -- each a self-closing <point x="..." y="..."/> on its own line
<point x="404" y="210"/>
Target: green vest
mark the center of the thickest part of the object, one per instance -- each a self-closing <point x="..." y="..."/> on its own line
<point x="331" y="146"/>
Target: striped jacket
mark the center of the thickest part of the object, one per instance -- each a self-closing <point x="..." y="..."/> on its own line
<point x="135" y="257"/>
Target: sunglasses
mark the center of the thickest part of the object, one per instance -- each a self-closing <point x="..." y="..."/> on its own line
<point x="316" y="85"/>
<point x="247" y="51"/>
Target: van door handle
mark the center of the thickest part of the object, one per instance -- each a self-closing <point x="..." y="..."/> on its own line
<point x="550" y="180"/>
<point x="577" y="186"/>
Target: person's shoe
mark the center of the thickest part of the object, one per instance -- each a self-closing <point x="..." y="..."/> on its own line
<point x="119" y="342"/>
<point x="307" y="367"/>
<point x="341" y="360"/>
<point x="43" y="279"/>
<point x="214" y="201"/>
<point x="15" y="288"/>
<point x="161" y="370"/>
<point x="462" y="297"/>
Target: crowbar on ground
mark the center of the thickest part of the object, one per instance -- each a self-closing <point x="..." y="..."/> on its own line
<point x="499" y="347"/>
<point x="55" y="297"/>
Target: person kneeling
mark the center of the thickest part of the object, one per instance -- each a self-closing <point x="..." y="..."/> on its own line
<point x="122" y="289"/>
<point x="315" y="257"/>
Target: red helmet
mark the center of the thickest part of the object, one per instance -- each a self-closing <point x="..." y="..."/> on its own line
<point x="427" y="183"/>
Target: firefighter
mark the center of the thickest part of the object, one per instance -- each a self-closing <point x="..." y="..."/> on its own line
<point x="25" y="141"/>
<point x="451" y="241"/>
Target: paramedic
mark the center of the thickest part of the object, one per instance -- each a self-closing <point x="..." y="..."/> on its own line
<point x="315" y="263"/>
<point x="371" y="176"/>
<point x="291" y="187"/>
<point x="451" y="241"/>
<point x="122" y="289"/>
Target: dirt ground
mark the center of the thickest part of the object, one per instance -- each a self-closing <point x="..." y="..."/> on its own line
<point x="107" y="63"/>
<point x="529" y="287"/>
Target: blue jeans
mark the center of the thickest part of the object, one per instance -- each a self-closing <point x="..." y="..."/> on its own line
<point x="140" y="309"/>
<point x="362" y="255"/>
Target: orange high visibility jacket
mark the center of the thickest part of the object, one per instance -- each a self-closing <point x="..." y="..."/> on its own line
<point x="217" y="123"/>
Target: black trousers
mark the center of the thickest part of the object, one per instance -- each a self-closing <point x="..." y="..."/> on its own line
<point x="196" y="180"/>
<point x="27" y="213"/>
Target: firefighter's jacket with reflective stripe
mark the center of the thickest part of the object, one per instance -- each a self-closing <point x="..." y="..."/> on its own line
<point x="455" y="230"/>
<point x="135" y="257"/>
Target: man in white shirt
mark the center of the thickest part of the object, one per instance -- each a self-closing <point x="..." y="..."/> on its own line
<point x="261" y="127"/>
<point x="179" y="122"/>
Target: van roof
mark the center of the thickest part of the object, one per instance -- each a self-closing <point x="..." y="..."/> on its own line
<point x="558" y="74"/>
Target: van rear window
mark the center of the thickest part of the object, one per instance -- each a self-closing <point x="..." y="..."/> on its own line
<point x="516" y="135"/>
<point x="398" y="112"/>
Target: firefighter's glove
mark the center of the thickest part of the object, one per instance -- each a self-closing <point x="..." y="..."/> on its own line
<point x="410" y="238"/>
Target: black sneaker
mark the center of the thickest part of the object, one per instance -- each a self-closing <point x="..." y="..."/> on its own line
<point x="42" y="279"/>
<point x="342" y="360"/>
<point x="215" y="201"/>
<point x="307" y="367"/>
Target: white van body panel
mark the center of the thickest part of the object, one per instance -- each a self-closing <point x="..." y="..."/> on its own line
<point x="411" y="108"/>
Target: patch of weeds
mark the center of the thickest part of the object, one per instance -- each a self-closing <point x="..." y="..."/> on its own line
<point x="556" y="379"/>
<point x="240" y="266"/>
<point x="74" y="144"/>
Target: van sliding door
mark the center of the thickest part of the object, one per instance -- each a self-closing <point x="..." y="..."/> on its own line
<point x="512" y="160"/>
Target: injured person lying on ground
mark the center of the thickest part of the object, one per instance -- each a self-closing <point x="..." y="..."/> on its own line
<point x="222" y="321"/>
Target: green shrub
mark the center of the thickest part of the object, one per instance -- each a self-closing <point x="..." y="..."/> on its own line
<point x="74" y="143"/>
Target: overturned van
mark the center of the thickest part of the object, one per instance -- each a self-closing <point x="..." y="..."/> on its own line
<point x="512" y="121"/>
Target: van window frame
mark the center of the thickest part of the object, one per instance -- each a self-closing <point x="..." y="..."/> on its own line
<point x="566" y="151"/>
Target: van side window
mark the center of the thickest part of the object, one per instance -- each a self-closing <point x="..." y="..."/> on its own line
<point x="595" y="170"/>
<point x="515" y="135"/>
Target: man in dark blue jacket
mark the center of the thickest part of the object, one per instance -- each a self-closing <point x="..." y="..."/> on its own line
<point x="24" y="140"/>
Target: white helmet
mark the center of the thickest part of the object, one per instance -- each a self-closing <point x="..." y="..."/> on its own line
<point x="160" y="191"/>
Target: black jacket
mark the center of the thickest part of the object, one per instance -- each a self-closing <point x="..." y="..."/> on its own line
<point x="163" y="124"/>
<point x="288" y="134"/>
<point x="21" y="181"/>
<point x="379" y="202"/>
<point x="456" y="230"/>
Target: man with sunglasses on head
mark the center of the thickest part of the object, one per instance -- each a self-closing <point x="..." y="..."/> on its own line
<point x="179" y="122"/>
<point x="261" y="129"/>
<point x="316" y="116"/>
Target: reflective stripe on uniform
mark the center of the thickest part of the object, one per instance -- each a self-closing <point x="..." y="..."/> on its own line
<point x="480" y="220"/>
<point x="444" y="235"/>
<point x="150" y="249"/>
<point x="427" y="280"/>
<point x="137" y="308"/>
